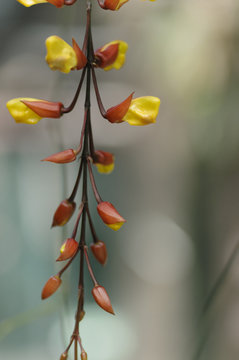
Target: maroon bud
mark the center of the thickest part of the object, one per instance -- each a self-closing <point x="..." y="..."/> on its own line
<point x="102" y="298"/>
<point x="63" y="213"/>
<point x="50" y="286"/>
<point x="100" y="252"/>
<point x="68" y="249"/>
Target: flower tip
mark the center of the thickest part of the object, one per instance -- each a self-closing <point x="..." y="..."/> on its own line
<point x="110" y="215"/>
<point x="68" y="249"/>
<point x="51" y="286"/>
<point x="99" y="251"/>
<point x="63" y="213"/>
<point x="62" y="157"/>
<point x="102" y="299"/>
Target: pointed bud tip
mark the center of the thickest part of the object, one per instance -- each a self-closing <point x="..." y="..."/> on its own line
<point x="102" y="299"/>
<point x="51" y="286"/>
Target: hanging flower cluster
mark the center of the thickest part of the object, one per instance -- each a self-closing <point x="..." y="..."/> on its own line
<point x="135" y="111"/>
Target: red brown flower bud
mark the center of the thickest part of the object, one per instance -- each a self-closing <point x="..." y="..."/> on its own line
<point x="83" y="355"/>
<point x="62" y="157"/>
<point x="64" y="356"/>
<point x="68" y="249"/>
<point x="100" y="252"/>
<point x="102" y="298"/>
<point x="110" y="215"/>
<point x="50" y="287"/>
<point x="116" y="113"/>
<point x="107" y="56"/>
<point x="111" y="4"/>
<point x="81" y="58"/>
<point x="103" y="157"/>
<point x="63" y="213"/>
<point x="57" y="3"/>
<point x="45" y="109"/>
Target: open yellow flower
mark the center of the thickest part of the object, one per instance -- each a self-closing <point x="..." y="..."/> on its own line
<point x="30" y="111"/>
<point x="21" y="113"/>
<point x="142" y="111"/>
<point x="112" y="55"/>
<point x="28" y="3"/>
<point x="60" y="55"/>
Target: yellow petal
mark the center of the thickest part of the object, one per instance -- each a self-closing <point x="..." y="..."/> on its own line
<point x="21" y="113"/>
<point x="115" y="226"/>
<point x="121" y="2"/>
<point x="120" y="60"/>
<point x="60" y="56"/>
<point x="105" y="169"/>
<point x="28" y="3"/>
<point x="143" y="111"/>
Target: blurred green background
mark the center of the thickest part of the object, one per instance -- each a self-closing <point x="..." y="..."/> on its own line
<point x="176" y="183"/>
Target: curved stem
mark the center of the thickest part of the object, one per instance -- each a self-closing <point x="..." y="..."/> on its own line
<point x="74" y="191"/>
<point x="92" y="229"/>
<point x="77" y="221"/>
<point x="68" y="109"/>
<point x="89" y="267"/>
<point x="93" y="184"/>
<point x="97" y="94"/>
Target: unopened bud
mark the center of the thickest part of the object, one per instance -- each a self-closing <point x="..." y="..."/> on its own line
<point x="63" y="213"/>
<point x="62" y="157"/>
<point x="102" y="298"/>
<point x="110" y="215"/>
<point x="50" y="287"/>
<point x="100" y="252"/>
<point x="104" y="161"/>
<point x="68" y="249"/>
<point x="116" y="113"/>
<point x="64" y="356"/>
<point x="83" y="355"/>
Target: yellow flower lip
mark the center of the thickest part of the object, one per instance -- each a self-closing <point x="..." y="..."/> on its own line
<point x="29" y="3"/>
<point x="21" y="113"/>
<point x="142" y="111"/>
<point x="60" y="55"/>
<point x="120" y="59"/>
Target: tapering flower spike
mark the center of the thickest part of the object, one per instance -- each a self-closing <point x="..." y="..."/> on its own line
<point x="68" y="249"/>
<point x="30" y="111"/>
<point x="111" y="55"/>
<point x="111" y="4"/>
<point x="63" y="213"/>
<point x="51" y="286"/>
<point x="61" y="56"/>
<point x="142" y="111"/>
<point x="104" y="161"/>
<point x="100" y="252"/>
<point x="116" y="113"/>
<point x="28" y="3"/>
<point x="102" y="298"/>
<point x="62" y="157"/>
<point x="110" y="215"/>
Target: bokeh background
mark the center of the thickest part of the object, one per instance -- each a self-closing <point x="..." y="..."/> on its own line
<point x="176" y="183"/>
